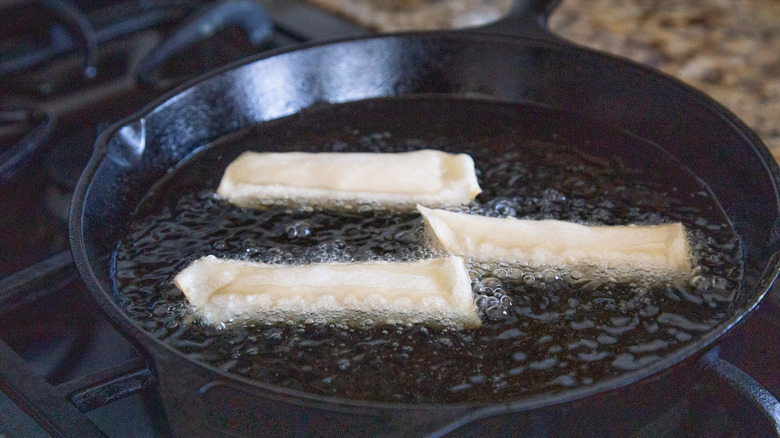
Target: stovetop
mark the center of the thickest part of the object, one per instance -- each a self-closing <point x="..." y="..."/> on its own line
<point x="68" y="70"/>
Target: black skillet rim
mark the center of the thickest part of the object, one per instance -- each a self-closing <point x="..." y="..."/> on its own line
<point x="702" y="345"/>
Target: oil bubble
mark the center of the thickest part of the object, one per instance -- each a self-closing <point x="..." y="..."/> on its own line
<point x="220" y="245"/>
<point x="496" y="312"/>
<point x="298" y="230"/>
<point x="486" y="301"/>
<point x="492" y="282"/>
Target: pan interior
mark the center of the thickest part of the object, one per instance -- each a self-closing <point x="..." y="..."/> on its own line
<point x="545" y="330"/>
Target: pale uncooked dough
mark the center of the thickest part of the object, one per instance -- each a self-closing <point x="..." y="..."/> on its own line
<point x="429" y="177"/>
<point x="431" y="291"/>
<point x="627" y="252"/>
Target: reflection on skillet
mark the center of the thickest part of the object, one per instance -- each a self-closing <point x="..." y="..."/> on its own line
<point x="543" y="331"/>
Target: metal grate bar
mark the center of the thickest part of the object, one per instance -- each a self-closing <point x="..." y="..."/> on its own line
<point x="103" y="387"/>
<point x="37" y="281"/>
<point x="41" y="401"/>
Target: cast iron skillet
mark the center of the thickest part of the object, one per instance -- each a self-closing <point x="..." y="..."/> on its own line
<point x="530" y="66"/>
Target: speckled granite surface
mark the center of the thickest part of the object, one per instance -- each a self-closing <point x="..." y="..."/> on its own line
<point x="730" y="49"/>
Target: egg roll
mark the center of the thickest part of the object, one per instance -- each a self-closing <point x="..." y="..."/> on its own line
<point x="431" y="291"/>
<point x="331" y="179"/>
<point x="624" y="252"/>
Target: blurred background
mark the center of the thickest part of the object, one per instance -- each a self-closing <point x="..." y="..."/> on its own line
<point x="730" y="49"/>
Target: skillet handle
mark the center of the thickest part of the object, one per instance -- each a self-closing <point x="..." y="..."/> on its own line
<point x="750" y="390"/>
<point x="526" y="18"/>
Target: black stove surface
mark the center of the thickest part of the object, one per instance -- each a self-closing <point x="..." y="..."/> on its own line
<point x="67" y="70"/>
<point x="52" y="108"/>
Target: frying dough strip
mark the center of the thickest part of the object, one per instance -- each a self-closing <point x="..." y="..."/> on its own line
<point x="404" y="179"/>
<point x="431" y="291"/>
<point x="625" y="252"/>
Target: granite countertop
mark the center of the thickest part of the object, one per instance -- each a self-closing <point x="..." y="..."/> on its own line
<point x="730" y="49"/>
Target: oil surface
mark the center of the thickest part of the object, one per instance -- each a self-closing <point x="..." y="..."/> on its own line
<point x="543" y="330"/>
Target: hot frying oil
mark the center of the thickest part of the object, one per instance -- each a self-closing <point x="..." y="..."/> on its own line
<point x="544" y="330"/>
